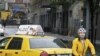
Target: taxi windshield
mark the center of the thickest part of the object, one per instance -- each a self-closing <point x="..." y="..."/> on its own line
<point x="46" y="43"/>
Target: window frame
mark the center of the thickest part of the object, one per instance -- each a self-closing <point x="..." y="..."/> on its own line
<point x="17" y="47"/>
<point x="7" y="42"/>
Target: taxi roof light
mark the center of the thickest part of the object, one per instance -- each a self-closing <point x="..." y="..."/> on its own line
<point x="30" y="30"/>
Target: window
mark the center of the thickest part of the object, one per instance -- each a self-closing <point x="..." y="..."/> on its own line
<point x="15" y="43"/>
<point x="4" y="42"/>
<point x="49" y="43"/>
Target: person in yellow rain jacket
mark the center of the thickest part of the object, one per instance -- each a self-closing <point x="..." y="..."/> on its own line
<point x="81" y="44"/>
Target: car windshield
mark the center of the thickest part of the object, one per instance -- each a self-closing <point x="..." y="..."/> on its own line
<point x="46" y="43"/>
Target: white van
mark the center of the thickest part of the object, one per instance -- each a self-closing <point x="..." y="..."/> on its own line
<point x="30" y="30"/>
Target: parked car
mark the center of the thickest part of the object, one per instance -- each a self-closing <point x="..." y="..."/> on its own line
<point x="1" y="30"/>
<point x="25" y="45"/>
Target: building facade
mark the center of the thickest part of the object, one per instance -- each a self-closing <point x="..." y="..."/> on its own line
<point x="58" y="16"/>
<point x="19" y="10"/>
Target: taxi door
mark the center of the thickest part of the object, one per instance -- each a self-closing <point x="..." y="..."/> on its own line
<point x="14" y="47"/>
<point x="3" y="44"/>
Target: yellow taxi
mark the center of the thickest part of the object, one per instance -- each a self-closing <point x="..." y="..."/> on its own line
<point x="25" y="45"/>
